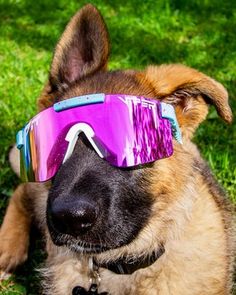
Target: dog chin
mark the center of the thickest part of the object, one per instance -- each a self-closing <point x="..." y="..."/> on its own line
<point x="77" y="246"/>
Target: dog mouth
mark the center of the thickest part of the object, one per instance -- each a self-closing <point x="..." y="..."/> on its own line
<point x="78" y="246"/>
<point x="87" y="248"/>
<point x="75" y="243"/>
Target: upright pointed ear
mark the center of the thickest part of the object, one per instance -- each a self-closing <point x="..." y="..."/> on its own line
<point x="190" y="92"/>
<point x="82" y="50"/>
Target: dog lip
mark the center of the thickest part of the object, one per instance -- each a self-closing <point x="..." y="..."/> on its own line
<point x="81" y="247"/>
<point x="75" y="245"/>
<point x="78" y="245"/>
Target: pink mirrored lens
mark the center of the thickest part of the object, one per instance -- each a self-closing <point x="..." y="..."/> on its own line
<point x="128" y="131"/>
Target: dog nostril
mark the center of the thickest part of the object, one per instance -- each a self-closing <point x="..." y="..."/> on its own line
<point x="75" y="218"/>
<point x="85" y="216"/>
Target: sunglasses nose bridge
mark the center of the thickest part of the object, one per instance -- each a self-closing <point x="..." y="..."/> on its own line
<point x="72" y="136"/>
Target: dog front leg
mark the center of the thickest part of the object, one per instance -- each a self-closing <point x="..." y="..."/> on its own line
<point x="14" y="232"/>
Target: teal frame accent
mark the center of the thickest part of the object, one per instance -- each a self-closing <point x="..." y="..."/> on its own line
<point x="20" y="139"/>
<point x="79" y="101"/>
<point x="168" y="112"/>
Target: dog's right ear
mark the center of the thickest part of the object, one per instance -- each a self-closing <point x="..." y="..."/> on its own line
<point x="82" y="50"/>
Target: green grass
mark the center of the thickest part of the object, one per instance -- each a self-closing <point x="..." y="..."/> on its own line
<point x="197" y="33"/>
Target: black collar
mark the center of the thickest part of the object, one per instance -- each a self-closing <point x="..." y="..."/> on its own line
<point x="125" y="266"/>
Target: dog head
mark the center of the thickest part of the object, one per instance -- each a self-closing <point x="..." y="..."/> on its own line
<point x="92" y="206"/>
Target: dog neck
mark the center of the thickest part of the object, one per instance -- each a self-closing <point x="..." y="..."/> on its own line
<point x="126" y="266"/>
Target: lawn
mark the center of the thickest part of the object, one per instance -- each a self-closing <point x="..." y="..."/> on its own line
<point x="200" y="34"/>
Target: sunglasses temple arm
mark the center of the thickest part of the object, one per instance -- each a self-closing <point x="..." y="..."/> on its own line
<point x="168" y="112"/>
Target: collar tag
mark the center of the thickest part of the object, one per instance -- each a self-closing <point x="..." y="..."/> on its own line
<point x="94" y="279"/>
<point x="94" y="276"/>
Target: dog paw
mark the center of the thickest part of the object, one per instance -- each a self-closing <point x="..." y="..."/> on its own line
<point x="4" y="276"/>
<point x="13" y="250"/>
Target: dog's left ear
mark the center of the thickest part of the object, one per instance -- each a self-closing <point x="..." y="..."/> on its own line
<point x="190" y="92"/>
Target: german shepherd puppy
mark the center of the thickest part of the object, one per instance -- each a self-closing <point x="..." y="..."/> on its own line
<point x="160" y="228"/>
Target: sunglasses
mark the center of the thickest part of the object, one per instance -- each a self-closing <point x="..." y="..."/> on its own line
<point x="124" y="130"/>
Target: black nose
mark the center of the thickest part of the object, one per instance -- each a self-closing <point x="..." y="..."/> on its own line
<point x="72" y="217"/>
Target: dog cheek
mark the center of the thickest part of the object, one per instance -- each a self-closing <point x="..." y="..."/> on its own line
<point x="131" y="206"/>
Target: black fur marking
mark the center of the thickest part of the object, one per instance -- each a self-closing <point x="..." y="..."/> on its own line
<point x="119" y="196"/>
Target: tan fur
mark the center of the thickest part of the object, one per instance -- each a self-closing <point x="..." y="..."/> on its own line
<point x="174" y="82"/>
<point x="14" y="234"/>
<point x="188" y="222"/>
<point x="167" y="79"/>
<point x="191" y="216"/>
